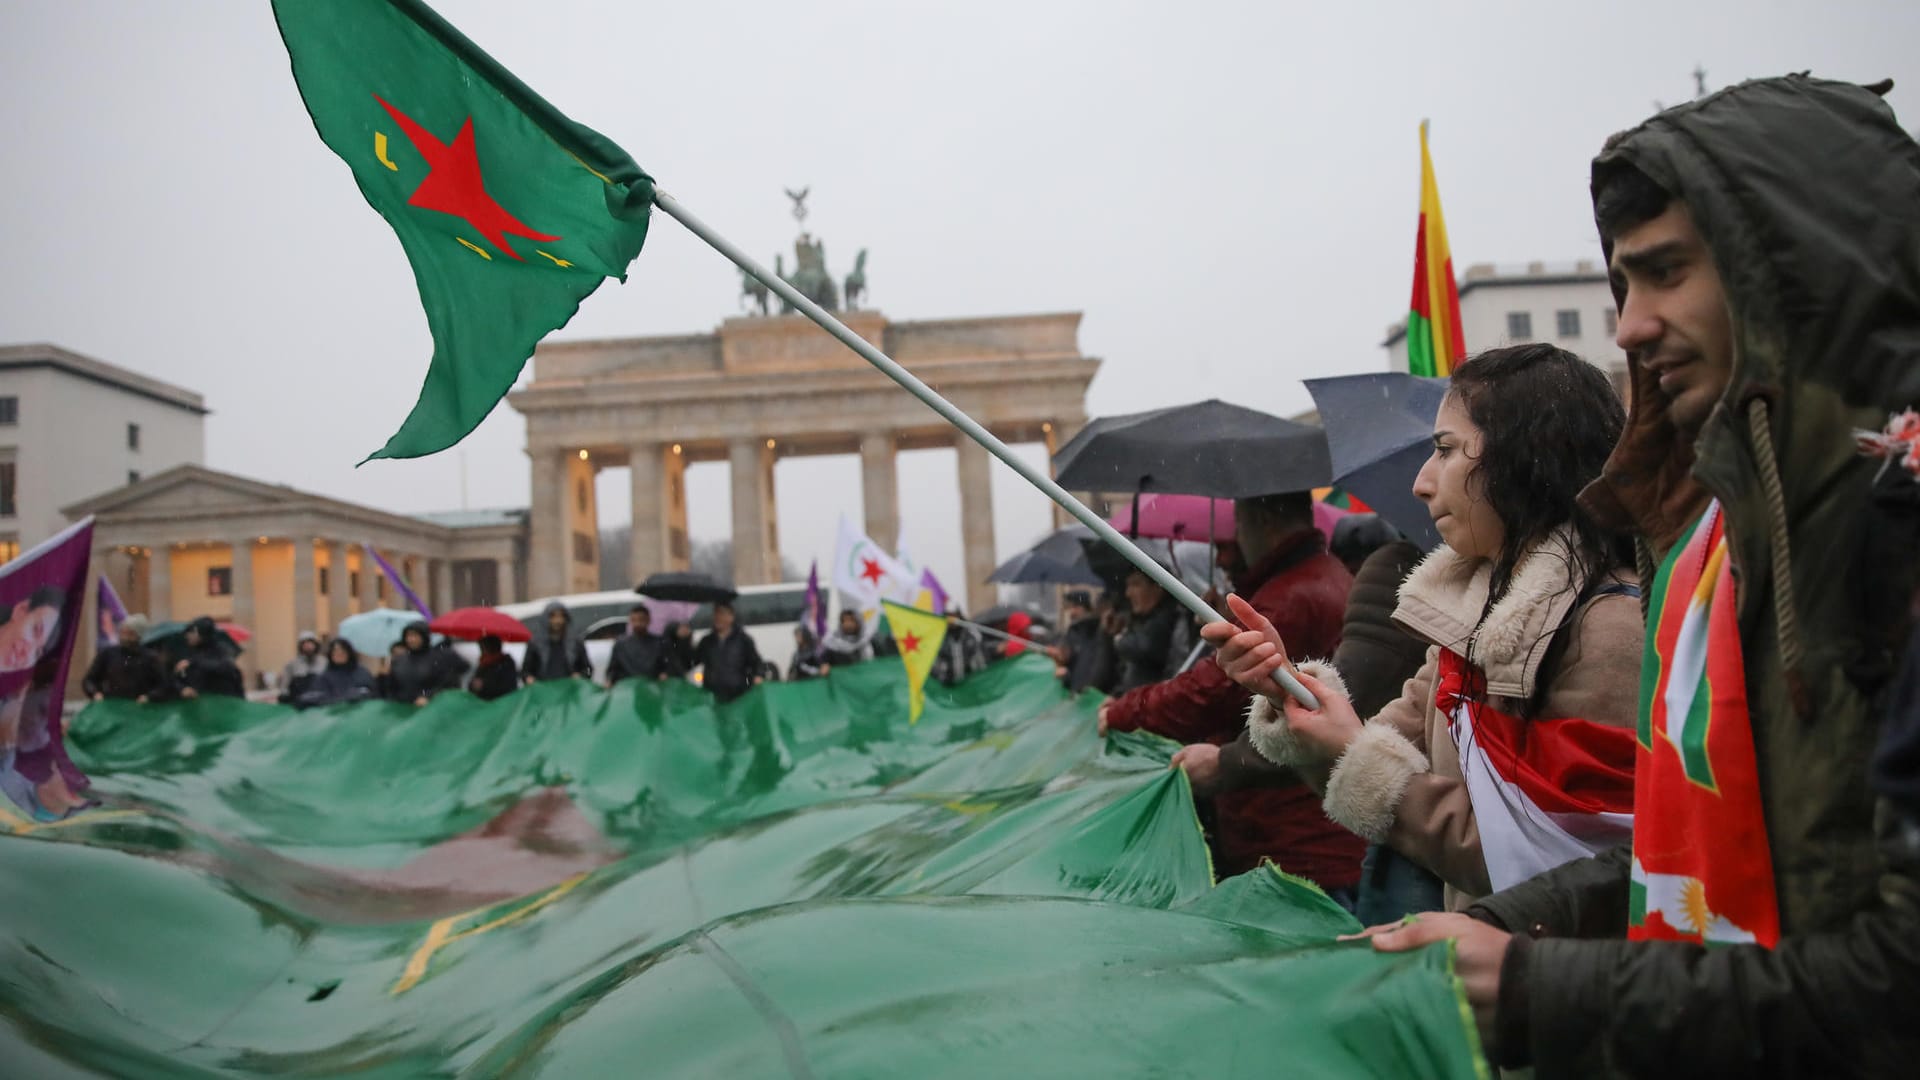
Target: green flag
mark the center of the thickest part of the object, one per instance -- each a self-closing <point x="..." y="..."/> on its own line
<point x="510" y="213"/>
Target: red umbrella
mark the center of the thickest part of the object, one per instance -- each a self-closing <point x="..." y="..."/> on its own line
<point x="474" y="623"/>
<point x="240" y="634"/>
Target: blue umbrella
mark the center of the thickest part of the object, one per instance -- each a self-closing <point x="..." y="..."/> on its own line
<point x="372" y="633"/>
<point x="1380" y="431"/>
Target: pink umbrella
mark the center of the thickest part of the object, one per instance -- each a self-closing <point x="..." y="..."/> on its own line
<point x="1184" y="517"/>
<point x="1178" y="517"/>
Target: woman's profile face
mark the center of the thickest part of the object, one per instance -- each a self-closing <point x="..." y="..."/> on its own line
<point x="1453" y="489"/>
<point x="27" y="634"/>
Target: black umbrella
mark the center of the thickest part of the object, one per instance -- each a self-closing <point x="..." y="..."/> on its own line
<point x="686" y="586"/>
<point x="1210" y="448"/>
<point x="1033" y="568"/>
<point x="1380" y="430"/>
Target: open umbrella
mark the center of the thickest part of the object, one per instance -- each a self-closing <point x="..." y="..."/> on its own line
<point x="685" y="585"/>
<point x="171" y="638"/>
<point x="1177" y="517"/>
<point x="1033" y="568"/>
<point x="1380" y="431"/>
<point x="1209" y="448"/>
<point x="372" y="633"/>
<point x="474" y="623"/>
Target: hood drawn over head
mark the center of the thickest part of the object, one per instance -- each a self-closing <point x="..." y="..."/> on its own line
<point x="1807" y="194"/>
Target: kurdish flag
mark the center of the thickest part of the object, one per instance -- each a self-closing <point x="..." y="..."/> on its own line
<point x="919" y="635"/>
<point x="1434" y="344"/>
<point x="510" y="213"/>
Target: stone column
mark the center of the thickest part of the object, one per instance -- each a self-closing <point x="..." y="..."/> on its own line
<point x="442" y="601"/>
<point x="648" y="540"/>
<point x="880" y="488"/>
<point x="976" y="522"/>
<point x="677" y="548"/>
<point x="305" y="587"/>
<point x="549" y="545"/>
<point x="369" y="581"/>
<point x="339" y="582"/>
<point x="241" y="561"/>
<point x="160" y="583"/>
<point x="505" y="589"/>
<point x="754" y="558"/>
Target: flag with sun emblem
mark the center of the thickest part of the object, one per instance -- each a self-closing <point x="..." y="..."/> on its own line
<point x="919" y="635"/>
<point x="510" y="213"/>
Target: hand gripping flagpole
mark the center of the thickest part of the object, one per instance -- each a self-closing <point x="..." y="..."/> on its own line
<point x="912" y="385"/>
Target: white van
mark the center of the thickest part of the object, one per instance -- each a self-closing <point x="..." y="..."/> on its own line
<point x="768" y="613"/>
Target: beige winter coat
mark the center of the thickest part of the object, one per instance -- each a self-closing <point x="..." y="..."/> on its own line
<point x="1399" y="782"/>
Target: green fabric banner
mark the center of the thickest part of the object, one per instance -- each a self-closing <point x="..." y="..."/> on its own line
<point x="571" y="882"/>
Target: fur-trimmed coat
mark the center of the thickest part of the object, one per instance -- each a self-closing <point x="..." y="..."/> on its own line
<point x="1399" y="782"/>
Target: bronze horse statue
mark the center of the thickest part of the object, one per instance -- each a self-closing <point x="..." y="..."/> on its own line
<point x="856" y="284"/>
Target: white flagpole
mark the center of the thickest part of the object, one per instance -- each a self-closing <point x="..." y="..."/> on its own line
<point x="912" y="385"/>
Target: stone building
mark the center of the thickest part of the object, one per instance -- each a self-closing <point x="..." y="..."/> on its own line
<point x="1568" y="304"/>
<point x="71" y="425"/>
<point x="766" y="387"/>
<point x="192" y="541"/>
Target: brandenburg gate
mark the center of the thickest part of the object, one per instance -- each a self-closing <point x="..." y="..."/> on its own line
<point x="769" y="386"/>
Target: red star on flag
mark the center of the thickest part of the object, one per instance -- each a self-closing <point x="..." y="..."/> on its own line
<point x="453" y="186"/>
<point x="871" y="570"/>
<point x="909" y="644"/>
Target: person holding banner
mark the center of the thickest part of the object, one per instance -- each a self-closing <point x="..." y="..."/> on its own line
<point x="1294" y="581"/>
<point x="128" y="670"/>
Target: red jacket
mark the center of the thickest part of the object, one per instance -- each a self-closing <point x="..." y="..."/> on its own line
<point x="1303" y="590"/>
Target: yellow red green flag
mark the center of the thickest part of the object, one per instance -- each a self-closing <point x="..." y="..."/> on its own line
<point x="1434" y="342"/>
<point x="919" y="635"/>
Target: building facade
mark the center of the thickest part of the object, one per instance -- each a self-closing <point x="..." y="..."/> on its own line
<point x="766" y="387"/>
<point x="192" y="541"/>
<point x="71" y="426"/>
<point x="1567" y="304"/>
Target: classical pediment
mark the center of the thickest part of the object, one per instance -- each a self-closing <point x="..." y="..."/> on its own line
<point x="187" y="489"/>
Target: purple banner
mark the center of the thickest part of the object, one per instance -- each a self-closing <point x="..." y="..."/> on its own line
<point x="816" y="616"/>
<point x="112" y="614"/>
<point x="399" y="583"/>
<point x="42" y="594"/>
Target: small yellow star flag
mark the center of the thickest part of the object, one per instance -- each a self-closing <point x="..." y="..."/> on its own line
<point x="919" y="635"/>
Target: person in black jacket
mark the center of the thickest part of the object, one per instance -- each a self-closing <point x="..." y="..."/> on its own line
<point x="809" y="662"/>
<point x="128" y="671"/>
<point x="728" y="657"/>
<point x="341" y="682"/>
<point x="421" y="670"/>
<point x="494" y="676"/>
<point x="207" y="669"/>
<point x="1144" y="646"/>
<point x="679" y="639"/>
<point x="640" y="654"/>
<point x="1084" y="657"/>
<point x="557" y="655"/>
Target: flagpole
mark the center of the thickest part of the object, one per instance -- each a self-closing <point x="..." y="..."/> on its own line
<point x="948" y="411"/>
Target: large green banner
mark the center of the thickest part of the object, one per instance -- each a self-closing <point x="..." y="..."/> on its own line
<point x="575" y="883"/>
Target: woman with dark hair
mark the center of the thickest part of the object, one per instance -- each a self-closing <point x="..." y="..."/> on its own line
<point x="207" y="669"/>
<point x="494" y="675"/>
<point x="1511" y="751"/>
<point x="341" y="682"/>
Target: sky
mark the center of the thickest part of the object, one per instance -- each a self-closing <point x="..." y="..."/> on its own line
<point x="1227" y="191"/>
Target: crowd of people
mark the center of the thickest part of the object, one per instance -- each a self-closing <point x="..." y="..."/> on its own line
<point x="1650" y="718"/>
<point x="1642" y="736"/>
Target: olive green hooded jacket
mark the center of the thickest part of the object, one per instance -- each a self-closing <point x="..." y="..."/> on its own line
<point x="1807" y="193"/>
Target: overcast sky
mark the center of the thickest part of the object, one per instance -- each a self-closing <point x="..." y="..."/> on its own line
<point x="1228" y="191"/>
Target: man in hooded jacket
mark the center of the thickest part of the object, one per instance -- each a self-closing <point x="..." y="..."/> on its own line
<point x="1765" y="249"/>
<point x="558" y="654"/>
<point x="422" y="669"/>
<point x="207" y="669"/>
